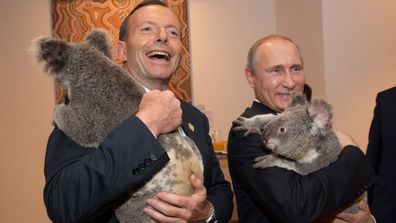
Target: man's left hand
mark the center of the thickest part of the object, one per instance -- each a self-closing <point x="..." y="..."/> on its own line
<point x="362" y="216"/>
<point x="170" y="207"/>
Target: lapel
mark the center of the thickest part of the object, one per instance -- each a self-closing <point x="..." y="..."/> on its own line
<point x="188" y="125"/>
<point x="258" y="108"/>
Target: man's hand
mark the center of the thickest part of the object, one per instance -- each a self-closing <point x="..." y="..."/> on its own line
<point x="170" y="207"/>
<point x="160" y="111"/>
<point x="345" y="139"/>
<point x="362" y="216"/>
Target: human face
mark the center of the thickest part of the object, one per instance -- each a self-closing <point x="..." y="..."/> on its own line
<point x="153" y="47"/>
<point x="278" y="73"/>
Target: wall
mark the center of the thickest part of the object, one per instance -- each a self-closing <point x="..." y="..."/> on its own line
<point x="360" y="59"/>
<point x="26" y="103"/>
<point x="302" y="21"/>
<point x="222" y="32"/>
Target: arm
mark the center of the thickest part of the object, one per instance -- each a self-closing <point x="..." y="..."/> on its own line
<point x="287" y="196"/>
<point x="80" y="182"/>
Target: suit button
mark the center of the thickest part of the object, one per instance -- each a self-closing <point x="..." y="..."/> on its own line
<point x="147" y="162"/>
<point x="153" y="157"/>
<point x="136" y="171"/>
<point x="141" y="166"/>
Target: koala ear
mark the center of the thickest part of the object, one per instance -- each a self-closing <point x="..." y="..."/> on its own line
<point x="52" y="51"/>
<point x="320" y="113"/>
<point x="298" y="99"/>
<point x="99" y="39"/>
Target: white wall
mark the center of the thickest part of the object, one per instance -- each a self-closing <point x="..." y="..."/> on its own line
<point x="26" y="104"/>
<point x="360" y="59"/>
<point x="222" y="32"/>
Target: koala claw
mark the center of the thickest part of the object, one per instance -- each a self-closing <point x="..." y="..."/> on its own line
<point x="247" y="124"/>
<point x="265" y="161"/>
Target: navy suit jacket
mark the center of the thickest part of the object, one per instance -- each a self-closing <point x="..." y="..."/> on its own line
<point x="381" y="152"/>
<point x="83" y="184"/>
<point x="279" y="195"/>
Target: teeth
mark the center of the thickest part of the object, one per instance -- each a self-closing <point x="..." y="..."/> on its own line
<point x="153" y="53"/>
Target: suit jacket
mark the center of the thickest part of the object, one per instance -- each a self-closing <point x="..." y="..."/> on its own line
<point x="82" y="184"/>
<point x="279" y="195"/>
<point x="381" y="152"/>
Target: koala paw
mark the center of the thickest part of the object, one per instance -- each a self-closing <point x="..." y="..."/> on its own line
<point x="247" y="124"/>
<point x="265" y="161"/>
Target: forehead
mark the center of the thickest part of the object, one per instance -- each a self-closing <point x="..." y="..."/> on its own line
<point x="154" y="14"/>
<point x="278" y="52"/>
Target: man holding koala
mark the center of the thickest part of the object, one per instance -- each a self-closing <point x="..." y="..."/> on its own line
<point x="86" y="185"/>
<point x="275" y="71"/>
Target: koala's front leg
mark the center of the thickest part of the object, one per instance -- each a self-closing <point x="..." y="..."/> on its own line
<point x="253" y="124"/>
<point x="271" y="160"/>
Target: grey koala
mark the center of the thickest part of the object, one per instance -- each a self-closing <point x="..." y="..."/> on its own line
<point x="101" y="96"/>
<point x="300" y="138"/>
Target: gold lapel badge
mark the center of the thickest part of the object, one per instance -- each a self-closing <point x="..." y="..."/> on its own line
<point x="191" y="127"/>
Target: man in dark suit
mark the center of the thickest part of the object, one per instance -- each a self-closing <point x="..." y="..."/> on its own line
<point x="274" y="71"/>
<point x="83" y="185"/>
<point x="381" y="152"/>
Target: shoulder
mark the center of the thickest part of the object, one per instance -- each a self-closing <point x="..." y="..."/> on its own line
<point x="191" y="110"/>
<point x="256" y="108"/>
<point x="391" y="92"/>
<point x="386" y="97"/>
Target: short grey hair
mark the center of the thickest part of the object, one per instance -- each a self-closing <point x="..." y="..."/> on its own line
<point x="251" y="58"/>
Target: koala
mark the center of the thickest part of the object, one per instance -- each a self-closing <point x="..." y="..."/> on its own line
<point x="101" y="95"/>
<point x="300" y="138"/>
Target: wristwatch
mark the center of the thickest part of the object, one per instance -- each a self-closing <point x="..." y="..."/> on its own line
<point x="212" y="217"/>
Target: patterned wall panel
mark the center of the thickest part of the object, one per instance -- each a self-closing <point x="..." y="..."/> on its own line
<point x="73" y="19"/>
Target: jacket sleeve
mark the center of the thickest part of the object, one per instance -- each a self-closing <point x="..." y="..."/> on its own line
<point x="286" y="196"/>
<point x="82" y="182"/>
<point x="375" y="140"/>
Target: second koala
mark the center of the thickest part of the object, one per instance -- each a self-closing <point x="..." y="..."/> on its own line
<point x="300" y="138"/>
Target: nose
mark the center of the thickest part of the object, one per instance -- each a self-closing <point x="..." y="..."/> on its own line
<point x="289" y="81"/>
<point x="162" y="36"/>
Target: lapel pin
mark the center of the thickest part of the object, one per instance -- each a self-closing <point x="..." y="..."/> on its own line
<point x="191" y="127"/>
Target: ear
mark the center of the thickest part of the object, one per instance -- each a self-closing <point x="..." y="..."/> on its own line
<point x="249" y="77"/>
<point x="120" y="51"/>
<point x="53" y="52"/>
<point x="321" y="114"/>
<point x="98" y="38"/>
<point x="298" y="99"/>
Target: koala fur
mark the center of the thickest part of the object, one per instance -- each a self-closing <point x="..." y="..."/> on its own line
<point x="101" y="96"/>
<point x="300" y="138"/>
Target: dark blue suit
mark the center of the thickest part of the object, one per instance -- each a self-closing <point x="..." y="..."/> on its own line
<point x="83" y="185"/>
<point x="280" y="195"/>
<point x="381" y="152"/>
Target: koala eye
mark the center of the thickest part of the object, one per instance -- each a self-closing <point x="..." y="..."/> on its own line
<point x="282" y="129"/>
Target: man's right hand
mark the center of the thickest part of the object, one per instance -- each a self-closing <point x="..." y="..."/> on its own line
<point x="160" y="111"/>
<point x="345" y="139"/>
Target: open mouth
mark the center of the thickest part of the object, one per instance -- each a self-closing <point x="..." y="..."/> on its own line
<point x="160" y="55"/>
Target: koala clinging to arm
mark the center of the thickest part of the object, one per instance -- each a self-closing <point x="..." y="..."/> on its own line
<point x="101" y="96"/>
<point x="300" y="138"/>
